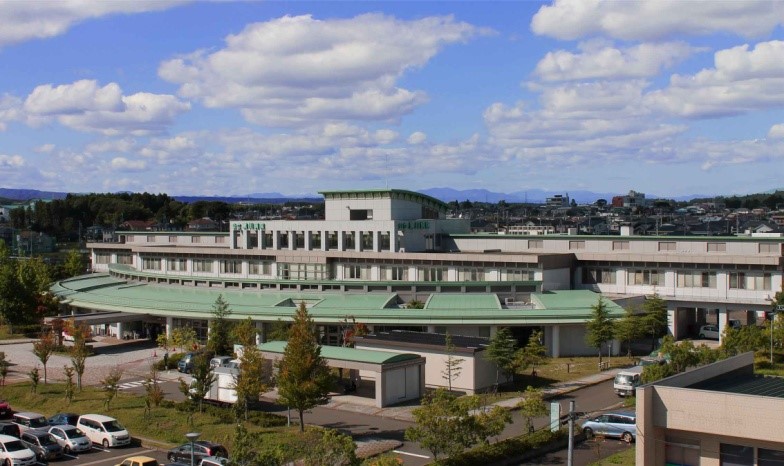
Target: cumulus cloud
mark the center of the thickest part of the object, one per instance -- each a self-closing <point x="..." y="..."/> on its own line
<point x="45" y="148"/>
<point x="26" y="20"/>
<point x="298" y="70"/>
<point x="85" y="106"/>
<point x="417" y="137"/>
<point x="10" y="109"/>
<point x="124" y="164"/>
<point x="11" y="161"/>
<point x="656" y="19"/>
<point x="776" y="131"/>
<point x="597" y="61"/>
<point x="742" y="80"/>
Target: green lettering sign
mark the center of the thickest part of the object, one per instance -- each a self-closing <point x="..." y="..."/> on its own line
<point x="248" y="226"/>
<point x="413" y="225"/>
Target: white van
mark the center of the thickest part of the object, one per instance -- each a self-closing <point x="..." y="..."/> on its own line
<point x="103" y="430"/>
<point x="627" y="380"/>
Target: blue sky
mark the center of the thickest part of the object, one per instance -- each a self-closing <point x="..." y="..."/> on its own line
<point x="230" y="98"/>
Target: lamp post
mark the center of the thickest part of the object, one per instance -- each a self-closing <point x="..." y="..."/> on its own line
<point x="192" y="436"/>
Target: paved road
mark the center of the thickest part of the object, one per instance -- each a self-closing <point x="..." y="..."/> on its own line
<point x="103" y="457"/>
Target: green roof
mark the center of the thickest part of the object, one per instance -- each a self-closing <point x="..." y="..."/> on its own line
<point x="105" y="293"/>
<point x="347" y="354"/>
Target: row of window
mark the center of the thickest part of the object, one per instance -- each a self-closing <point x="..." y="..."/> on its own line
<point x="742" y="455"/>
<point x="685" y="279"/>
<point x="195" y="239"/>
<point x="763" y="248"/>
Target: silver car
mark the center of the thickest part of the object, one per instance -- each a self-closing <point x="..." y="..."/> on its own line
<point x="70" y="438"/>
<point x="622" y="425"/>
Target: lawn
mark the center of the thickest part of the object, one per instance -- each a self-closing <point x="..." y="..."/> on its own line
<point x="625" y="458"/>
<point x="165" y="425"/>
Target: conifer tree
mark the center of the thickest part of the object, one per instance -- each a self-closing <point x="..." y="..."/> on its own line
<point x="303" y="378"/>
<point x="220" y="328"/>
<point x="599" y="330"/>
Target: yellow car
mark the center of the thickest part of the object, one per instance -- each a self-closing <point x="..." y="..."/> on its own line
<point x="139" y="461"/>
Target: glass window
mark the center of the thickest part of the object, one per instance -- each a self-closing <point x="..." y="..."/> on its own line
<point x="535" y="244"/>
<point x="737" y="281"/>
<point x="769" y="248"/>
<point x="597" y="276"/>
<point x="126" y="259"/>
<point x="620" y="245"/>
<point x="220" y="239"/>
<point x="736" y="455"/>
<point x="690" y="279"/>
<point x="260" y="267"/>
<point x="150" y="263"/>
<point x="177" y="265"/>
<point x="666" y="245"/>
<point x="717" y="247"/>
<point x="150" y="238"/>
<point x="102" y="257"/>
<point x="394" y="273"/>
<point x="231" y="266"/>
<point x="432" y="274"/>
<point x="760" y="282"/>
<point x="202" y="265"/>
<point x="645" y="277"/>
<point x="576" y="244"/>
<point x="195" y="239"/>
<point x="767" y="457"/>
<point x="470" y="275"/>
<point x="172" y="239"/>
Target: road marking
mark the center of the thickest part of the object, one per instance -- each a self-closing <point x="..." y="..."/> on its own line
<point x="410" y="454"/>
<point x="100" y="449"/>
<point x="104" y="460"/>
<point x="70" y="456"/>
<point x="134" y="384"/>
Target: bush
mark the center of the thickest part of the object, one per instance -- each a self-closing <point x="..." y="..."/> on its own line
<point x="509" y="448"/>
<point x="173" y="360"/>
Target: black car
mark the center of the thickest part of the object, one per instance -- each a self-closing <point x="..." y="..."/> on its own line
<point x="43" y="444"/>
<point x="201" y="449"/>
<point x="63" y="418"/>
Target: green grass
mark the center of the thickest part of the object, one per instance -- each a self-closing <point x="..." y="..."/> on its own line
<point x="625" y="458"/>
<point x="5" y="333"/>
<point x="166" y="425"/>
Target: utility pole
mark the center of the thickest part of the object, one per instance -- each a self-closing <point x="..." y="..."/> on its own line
<point x="570" y="454"/>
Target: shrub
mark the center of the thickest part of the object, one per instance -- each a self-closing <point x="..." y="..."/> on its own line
<point x="488" y="454"/>
<point x="173" y="360"/>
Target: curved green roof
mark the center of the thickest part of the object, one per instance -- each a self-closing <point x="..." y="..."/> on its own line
<point x="347" y="354"/>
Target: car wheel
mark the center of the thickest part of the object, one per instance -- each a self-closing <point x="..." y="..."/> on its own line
<point x="171" y="457"/>
<point x="702" y="335"/>
<point x="105" y="443"/>
<point x="7" y="462"/>
<point x="588" y="432"/>
<point x="67" y="450"/>
<point x="627" y="437"/>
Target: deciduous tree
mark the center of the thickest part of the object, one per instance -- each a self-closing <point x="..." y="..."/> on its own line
<point x="111" y="385"/>
<point x="629" y="328"/>
<point x="531" y="406"/>
<point x="203" y="378"/>
<point x="303" y="378"/>
<point x="43" y="349"/>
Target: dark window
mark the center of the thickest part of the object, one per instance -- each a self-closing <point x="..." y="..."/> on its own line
<point x="769" y="457"/>
<point x="736" y="455"/>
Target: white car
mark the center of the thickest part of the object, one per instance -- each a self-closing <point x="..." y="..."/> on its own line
<point x="103" y="430"/>
<point x="13" y="452"/>
<point x="709" y="331"/>
<point x="70" y="438"/>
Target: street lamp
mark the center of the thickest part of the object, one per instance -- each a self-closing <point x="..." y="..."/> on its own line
<point x="192" y="436"/>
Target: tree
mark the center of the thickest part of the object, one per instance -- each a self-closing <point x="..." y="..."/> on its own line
<point x="203" y="378"/>
<point x="279" y="331"/>
<point x="444" y="425"/>
<point x="184" y="338"/>
<point x="743" y="339"/>
<point x="3" y="368"/>
<point x="415" y="304"/>
<point x="220" y="328"/>
<point x="69" y="383"/>
<point x="531" y="406"/>
<point x="599" y="330"/>
<point x="682" y="354"/>
<point x="534" y="353"/>
<point x="152" y="388"/>
<point x="74" y="264"/>
<point x="629" y="328"/>
<point x="655" y="311"/>
<point x="43" y="349"/>
<point x="453" y="366"/>
<point x="111" y="385"/>
<point x="250" y="383"/>
<point x="501" y="352"/>
<point x="58" y="325"/>
<point x="245" y="333"/>
<point x="303" y="379"/>
<point x="333" y="449"/>
<point x="79" y="351"/>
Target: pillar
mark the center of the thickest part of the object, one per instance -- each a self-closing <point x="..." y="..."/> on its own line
<point x="275" y="240"/>
<point x="723" y="315"/>
<point x="324" y="239"/>
<point x="292" y="240"/>
<point x="672" y="322"/>
<point x="261" y="337"/>
<point x="119" y="330"/>
<point x="392" y="241"/>
<point x="308" y="239"/>
<point x="341" y="241"/>
<point x="555" y="344"/>
<point x="169" y="327"/>
<point x="380" y="392"/>
<point x="376" y="241"/>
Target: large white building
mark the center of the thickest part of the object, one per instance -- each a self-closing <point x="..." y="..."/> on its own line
<point x="378" y="250"/>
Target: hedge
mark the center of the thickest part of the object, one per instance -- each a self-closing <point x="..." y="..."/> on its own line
<point x="508" y="449"/>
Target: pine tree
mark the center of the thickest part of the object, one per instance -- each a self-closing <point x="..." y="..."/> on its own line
<point x="629" y="328"/>
<point x="303" y="378"/>
<point x="501" y="351"/>
<point x="453" y="366"/>
<point x="599" y="330"/>
<point x="220" y="328"/>
<point x="534" y="353"/>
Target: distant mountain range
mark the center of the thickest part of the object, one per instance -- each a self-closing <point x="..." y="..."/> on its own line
<point x="444" y="194"/>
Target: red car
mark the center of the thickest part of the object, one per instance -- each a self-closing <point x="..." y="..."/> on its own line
<point x="5" y="409"/>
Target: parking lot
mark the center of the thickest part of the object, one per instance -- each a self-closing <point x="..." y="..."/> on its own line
<point x="108" y="457"/>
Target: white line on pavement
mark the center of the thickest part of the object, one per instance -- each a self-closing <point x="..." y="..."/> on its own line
<point x="410" y="454"/>
<point x="103" y="460"/>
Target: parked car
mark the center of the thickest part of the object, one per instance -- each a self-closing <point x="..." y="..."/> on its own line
<point x="70" y="438"/>
<point x="43" y="445"/>
<point x="177" y="463"/>
<point x="5" y="409"/>
<point x="139" y="461"/>
<point x="13" y="451"/>
<point x="63" y="418"/>
<point x="620" y="425"/>
<point x="186" y="363"/>
<point x="103" y="430"/>
<point x="27" y="420"/>
<point x="9" y="428"/>
<point x="709" y="331"/>
<point x="214" y="461"/>
<point x="201" y="449"/>
<point x="219" y="361"/>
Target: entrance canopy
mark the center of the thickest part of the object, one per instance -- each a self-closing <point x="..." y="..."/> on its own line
<point x="99" y="318"/>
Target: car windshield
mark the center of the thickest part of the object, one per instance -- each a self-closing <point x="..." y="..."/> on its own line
<point x="112" y="426"/>
<point x="46" y="440"/>
<point x="14" y="445"/>
<point x="37" y="422"/>
<point x="74" y="433"/>
<point x="623" y="379"/>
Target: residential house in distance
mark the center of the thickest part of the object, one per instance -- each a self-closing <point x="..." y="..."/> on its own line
<point x="202" y="224"/>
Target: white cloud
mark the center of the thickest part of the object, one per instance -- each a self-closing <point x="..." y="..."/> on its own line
<point x="11" y="161"/>
<point x="10" y="109"/>
<point x="776" y="131"/>
<point x="45" y="148"/>
<point x="656" y="19"/>
<point x="742" y="80"/>
<point x="124" y="164"/>
<point x="85" y="106"/>
<point x="38" y="19"/>
<point x="299" y="70"/>
<point x="417" y="137"/>
<point x="607" y="62"/>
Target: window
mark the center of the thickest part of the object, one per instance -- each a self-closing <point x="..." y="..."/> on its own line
<point x="177" y="265"/>
<point x="667" y="245"/>
<point x="260" y="267"/>
<point x="357" y="272"/>
<point x="689" y="279"/>
<point x="150" y="238"/>
<point x="736" y="455"/>
<point x="766" y="248"/>
<point x="303" y="271"/>
<point x="598" y="276"/>
<point x="767" y="457"/>
<point x="470" y="275"/>
<point x="517" y="275"/>
<point x="126" y="259"/>
<point x="620" y="245"/>
<point x="202" y="265"/>
<point x="645" y="277"/>
<point x="737" y="281"/>
<point x="231" y="266"/>
<point x="432" y="274"/>
<point x="535" y="244"/>
<point x="172" y="239"/>
<point x="195" y="239"/>
<point x="576" y="244"/>
<point x="717" y="247"/>
<point x="394" y="273"/>
<point x="760" y="282"/>
<point x="102" y="257"/>
<point x="150" y="263"/>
